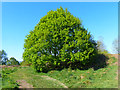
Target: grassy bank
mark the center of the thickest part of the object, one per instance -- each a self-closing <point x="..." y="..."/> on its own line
<point x="101" y="78"/>
<point x="0" y="78"/>
<point x="7" y="82"/>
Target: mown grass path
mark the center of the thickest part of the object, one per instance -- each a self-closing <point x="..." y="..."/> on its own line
<point x="37" y="81"/>
<point x="49" y="78"/>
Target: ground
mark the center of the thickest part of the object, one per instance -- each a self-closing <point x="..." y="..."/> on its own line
<point x="26" y="77"/>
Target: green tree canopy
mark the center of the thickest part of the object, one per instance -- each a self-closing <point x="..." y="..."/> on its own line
<point x="12" y="61"/>
<point x="58" y="40"/>
<point x="3" y="57"/>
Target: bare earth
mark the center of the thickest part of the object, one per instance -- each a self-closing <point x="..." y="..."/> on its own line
<point x="4" y="66"/>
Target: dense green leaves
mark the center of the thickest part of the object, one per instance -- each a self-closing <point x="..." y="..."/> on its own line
<point x="3" y="57"/>
<point x="58" y="40"/>
<point x="12" y="61"/>
<point x="5" y="61"/>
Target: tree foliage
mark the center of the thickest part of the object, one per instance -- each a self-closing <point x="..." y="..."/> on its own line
<point x="12" y="61"/>
<point x="116" y="44"/>
<point x="3" y="57"/>
<point x="101" y="47"/>
<point x="24" y="63"/>
<point x="59" y="40"/>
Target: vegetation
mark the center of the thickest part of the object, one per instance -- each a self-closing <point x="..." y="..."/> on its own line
<point x="101" y="78"/>
<point x="24" y="63"/>
<point x="7" y="82"/>
<point x="63" y="54"/>
<point x="0" y="79"/>
<point x="3" y="57"/>
<point x="12" y="61"/>
<point x="116" y="44"/>
<point x="59" y="41"/>
<point x="101" y="46"/>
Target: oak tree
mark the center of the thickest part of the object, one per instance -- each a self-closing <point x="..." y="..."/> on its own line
<point x="59" y="40"/>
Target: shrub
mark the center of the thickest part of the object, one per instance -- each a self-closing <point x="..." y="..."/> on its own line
<point x="59" y="40"/>
<point x="12" y="61"/>
<point x="24" y="63"/>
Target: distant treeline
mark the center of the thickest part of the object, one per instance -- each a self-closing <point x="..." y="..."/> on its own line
<point x="5" y="61"/>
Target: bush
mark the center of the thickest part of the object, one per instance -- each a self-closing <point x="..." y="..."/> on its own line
<point x="59" y="40"/>
<point x="24" y="63"/>
<point x="12" y="61"/>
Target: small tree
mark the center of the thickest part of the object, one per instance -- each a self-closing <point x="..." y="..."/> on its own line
<point x="101" y="46"/>
<point x="116" y="44"/>
<point x="12" y="61"/>
<point x="24" y="63"/>
<point x="59" y="40"/>
<point x="3" y="57"/>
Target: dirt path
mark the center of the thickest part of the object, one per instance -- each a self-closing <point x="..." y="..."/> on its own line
<point x="24" y="84"/>
<point x="49" y="78"/>
<point x="5" y="66"/>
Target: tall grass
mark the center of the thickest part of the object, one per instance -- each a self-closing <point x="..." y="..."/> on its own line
<point x="7" y="82"/>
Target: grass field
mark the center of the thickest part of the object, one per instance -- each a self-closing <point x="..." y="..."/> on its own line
<point x="66" y="78"/>
<point x="0" y="78"/>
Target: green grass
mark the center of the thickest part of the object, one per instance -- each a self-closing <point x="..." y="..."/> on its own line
<point x="25" y="73"/>
<point x="101" y="78"/>
<point x="91" y="78"/>
<point x="0" y="79"/>
<point x="119" y="74"/>
<point x="7" y="82"/>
